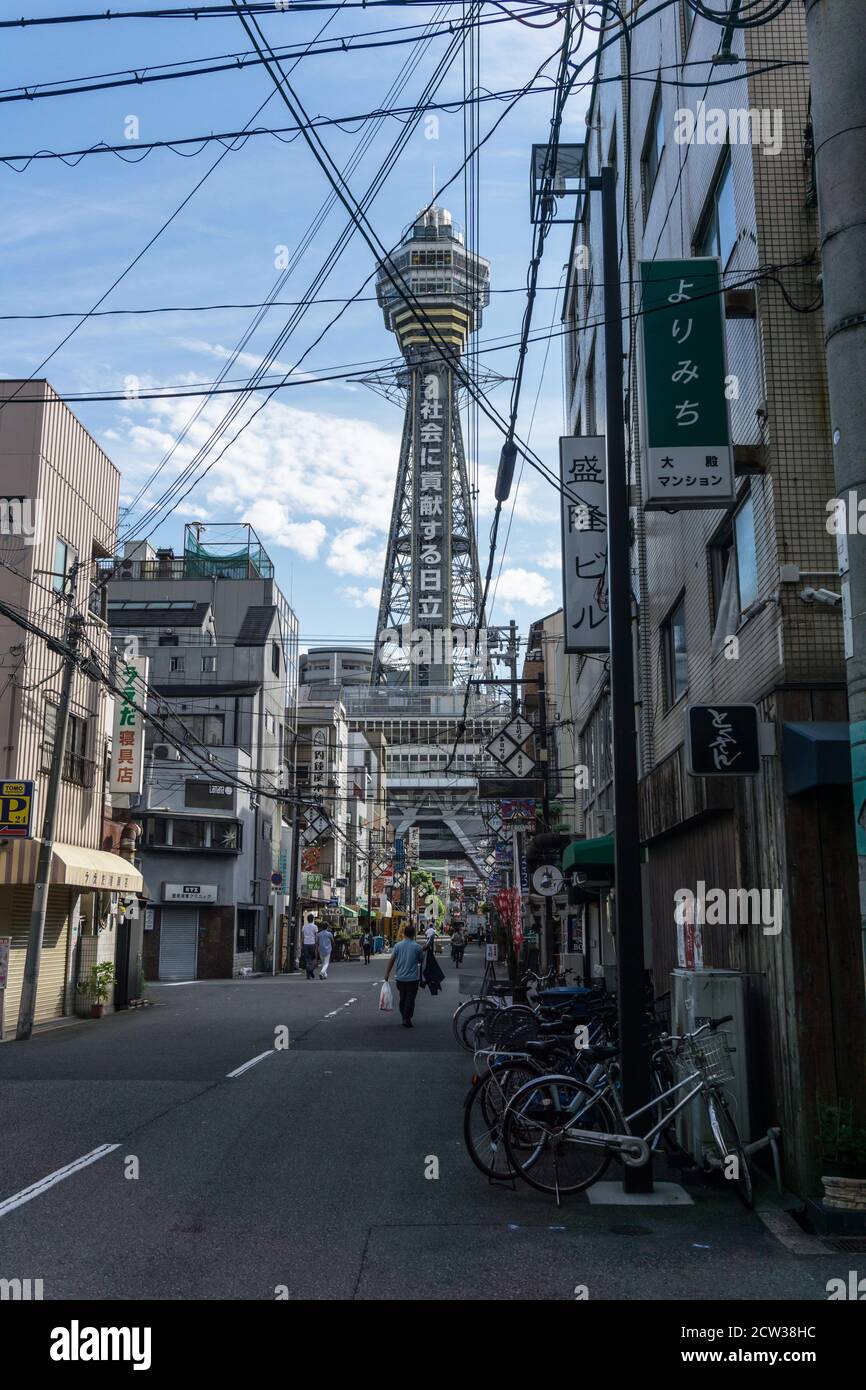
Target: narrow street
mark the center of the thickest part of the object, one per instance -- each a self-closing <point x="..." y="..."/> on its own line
<point x="307" y="1169"/>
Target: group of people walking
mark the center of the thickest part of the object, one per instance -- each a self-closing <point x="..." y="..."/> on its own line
<point x="317" y="943"/>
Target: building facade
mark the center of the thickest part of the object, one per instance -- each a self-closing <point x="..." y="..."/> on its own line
<point x="720" y="612"/>
<point x="58" y="514"/>
<point x="221" y="641"/>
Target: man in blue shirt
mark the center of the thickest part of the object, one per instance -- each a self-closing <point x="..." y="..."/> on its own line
<point x="325" y="943"/>
<point x="408" y="957"/>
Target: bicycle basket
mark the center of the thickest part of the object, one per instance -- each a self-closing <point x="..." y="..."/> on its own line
<point x="708" y="1054"/>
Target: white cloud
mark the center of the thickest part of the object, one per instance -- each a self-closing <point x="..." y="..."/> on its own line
<point x="350" y="553"/>
<point x="290" y="471"/>
<point x="524" y="587"/>
<point x="550" y="559"/>
<point x="361" y="598"/>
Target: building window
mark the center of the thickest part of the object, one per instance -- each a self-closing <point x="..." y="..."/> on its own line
<point x="654" y="146"/>
<point x="246" y="930"/>
<point x="193" y="833"/>
<point x="675" y="654"/>
<point x="275" y="658"/>
<point x="77" y="767"/>
<point x="270" y="723"/>
<point x="65" y="557"/>
<point x="203" y="728"/>
<point x="209" y="664"/>
<point x="175" y="663"/>
<point x="719" y="230"/>
<point x="734" y="567"/>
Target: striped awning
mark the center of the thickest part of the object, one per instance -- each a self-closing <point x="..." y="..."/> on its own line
<point x="71" y="865"/>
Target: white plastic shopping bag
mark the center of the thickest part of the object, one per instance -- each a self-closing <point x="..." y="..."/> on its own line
<point x="386" y="997"/>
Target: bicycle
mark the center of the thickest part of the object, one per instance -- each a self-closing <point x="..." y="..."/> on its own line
<point x="467" y="1016"/>
<point x="560" y="1133"/>
<point x="485" y="1104"/>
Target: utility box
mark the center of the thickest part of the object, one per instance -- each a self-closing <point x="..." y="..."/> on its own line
<point x="698" y="995"/>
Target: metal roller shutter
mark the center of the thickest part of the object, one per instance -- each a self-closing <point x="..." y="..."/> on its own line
<point x="178" y="943"/>
<point x="15" y="906"/>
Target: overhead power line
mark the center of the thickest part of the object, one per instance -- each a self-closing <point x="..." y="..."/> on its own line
<point x="238" y="62"/>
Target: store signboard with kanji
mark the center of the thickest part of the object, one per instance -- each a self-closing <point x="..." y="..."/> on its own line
<point x="127" y="738"/>
<point x="687" y="434"/>
<point x="723" y="741"/>
<point x="582" y="470"/>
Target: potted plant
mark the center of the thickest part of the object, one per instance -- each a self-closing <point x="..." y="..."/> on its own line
<point x="843" y="1154"/>
<point x="99" y="986"/>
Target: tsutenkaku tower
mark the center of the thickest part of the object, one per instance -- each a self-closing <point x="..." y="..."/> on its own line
<point x="432" y="291"/>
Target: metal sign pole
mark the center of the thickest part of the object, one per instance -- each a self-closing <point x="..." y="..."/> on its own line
<point x="629" y="903"/>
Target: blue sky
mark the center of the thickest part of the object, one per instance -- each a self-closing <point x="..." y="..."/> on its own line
<point x="314" y="472"/>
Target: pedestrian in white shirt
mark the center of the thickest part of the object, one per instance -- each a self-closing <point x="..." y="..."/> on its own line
<point x="309" y="932"/>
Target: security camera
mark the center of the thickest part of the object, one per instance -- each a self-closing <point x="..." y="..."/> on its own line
<point x="825" y="596"/>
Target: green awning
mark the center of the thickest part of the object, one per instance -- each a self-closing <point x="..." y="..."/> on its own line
<point x="586" y="854"/>
<point x="581" y="854"/>
<point x="348" y="912"/>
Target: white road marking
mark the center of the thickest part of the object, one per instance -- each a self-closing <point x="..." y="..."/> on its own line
<point x="251" y="1063"/>
<point x="37" y="1188"/>
<point x="334" y="1012"/>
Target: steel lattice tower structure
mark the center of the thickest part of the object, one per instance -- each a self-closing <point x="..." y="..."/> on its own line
<point x="432" y="292"/>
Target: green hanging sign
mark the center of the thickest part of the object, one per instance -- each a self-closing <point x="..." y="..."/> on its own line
<point x="688" y="451"/>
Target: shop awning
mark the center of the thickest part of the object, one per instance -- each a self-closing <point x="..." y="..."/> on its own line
<point x="348" y="911"/>
<point x="816" y="754"/>
<point x="72" y="866"/>
<point x="591" y="854"/>
<point x="585" y="854"/>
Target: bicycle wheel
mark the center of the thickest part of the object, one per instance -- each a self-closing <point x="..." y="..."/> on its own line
<point x="539" y="1137"/>
<point x="462" y="1013"/>
<point x="475" y="1030"/>
<point x="482" y="1117"/>
<point x="730" y="1145"/>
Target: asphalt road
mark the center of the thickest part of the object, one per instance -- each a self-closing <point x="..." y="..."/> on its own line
<point x="306" y="1170"/>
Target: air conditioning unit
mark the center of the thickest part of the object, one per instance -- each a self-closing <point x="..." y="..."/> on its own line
<point x="166" y="752"/>
<point x="697" y="995"/>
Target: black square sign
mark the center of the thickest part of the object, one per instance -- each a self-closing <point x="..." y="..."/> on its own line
<point x="722" y="741"/>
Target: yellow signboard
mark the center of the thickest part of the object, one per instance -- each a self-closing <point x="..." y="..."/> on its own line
<point x="16" y="810"/>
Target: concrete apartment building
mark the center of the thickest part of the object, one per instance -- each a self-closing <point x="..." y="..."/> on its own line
<point x="222" y="644"/>
<point x="701" y="578"/>
<point x="57" y="522"/>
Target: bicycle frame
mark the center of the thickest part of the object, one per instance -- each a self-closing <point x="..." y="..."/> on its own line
<point x="635" y="1150"/>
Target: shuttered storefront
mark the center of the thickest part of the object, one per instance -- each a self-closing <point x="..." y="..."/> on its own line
<point x="178" y="943"/>
<point x="15" y="907"/>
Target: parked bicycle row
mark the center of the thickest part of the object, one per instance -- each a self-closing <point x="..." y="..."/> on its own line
<point x="545" y="1102"/>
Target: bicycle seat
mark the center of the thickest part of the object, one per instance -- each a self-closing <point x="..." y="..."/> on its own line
<point x="558" y="1028"/>
<point x="600" y="1052"/>
<point x="545" y="1047"/>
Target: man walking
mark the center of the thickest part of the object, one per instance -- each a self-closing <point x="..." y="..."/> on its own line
<point x="308" y="940"/>
<point x="407" y="956"/>
<point x="367" y="945"/>
<point x="325" y="943"/>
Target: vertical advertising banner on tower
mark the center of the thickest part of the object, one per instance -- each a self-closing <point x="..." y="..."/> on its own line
<point x="127" y="736"/>
<point x="583" y="476"/>
<point x="431" y="571"/>
<point x="687" y="432"/>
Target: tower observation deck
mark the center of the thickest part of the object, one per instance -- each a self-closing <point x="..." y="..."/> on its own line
<point x="432" y="292"/>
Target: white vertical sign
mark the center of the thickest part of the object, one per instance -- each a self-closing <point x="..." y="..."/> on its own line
<point x="127" y="736"/>
<point x="319" y="762"/>
<point x="583" y="476"/>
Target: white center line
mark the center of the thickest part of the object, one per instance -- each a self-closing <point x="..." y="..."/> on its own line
<point x="37" y="1188"/>
<point x="251" y="1063"/>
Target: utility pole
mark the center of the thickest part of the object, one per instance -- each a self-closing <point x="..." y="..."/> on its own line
<point x="74" y="630"/>
<point x="629" y="899"/>
<point x="547" y="933"/>
<point x="293" y="886"/>
<point x="837" y="60"/>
